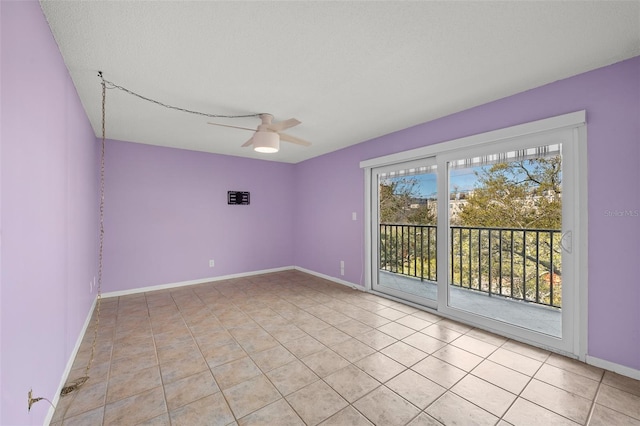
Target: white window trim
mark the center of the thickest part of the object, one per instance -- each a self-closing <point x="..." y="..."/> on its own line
<point x="572" y="119"/>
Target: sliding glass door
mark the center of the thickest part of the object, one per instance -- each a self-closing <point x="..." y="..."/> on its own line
<point x="504" y="226"/>
<point x="405" y="220"/>
<point x="486" y="234"/>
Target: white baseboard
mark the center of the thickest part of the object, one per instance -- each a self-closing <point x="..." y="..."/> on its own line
<point x="72" y="357"/>
<point x="330" y="278"/>
<point x="193" y="282"/>
<point x="612" y="366"/>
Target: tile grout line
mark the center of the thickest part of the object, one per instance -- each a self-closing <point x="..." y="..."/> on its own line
<point x="519" y="395"/>
<point x="262" y="371"/>
<point x="447" y="343"/>
<point x="467" y="373"/>
<point x="595" y="398"/>
<point x="155" y="347"/>
<point x="113" y="344"/>
<point x="349" y="404"/>
<point x="205" y="358"/>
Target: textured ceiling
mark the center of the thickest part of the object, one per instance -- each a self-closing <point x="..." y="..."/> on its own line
<point x="349" y="71"/>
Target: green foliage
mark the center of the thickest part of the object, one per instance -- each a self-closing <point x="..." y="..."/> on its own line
<point x="513" y="263"/>
<point x="408" y="247"/>
<point x="526" y="195"/>
<point x="400" y="203"/>
<point x="518" y="194"/>
<point x="409" y="250"/>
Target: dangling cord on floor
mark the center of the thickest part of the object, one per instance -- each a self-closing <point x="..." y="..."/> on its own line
<point x="74" y="385"/>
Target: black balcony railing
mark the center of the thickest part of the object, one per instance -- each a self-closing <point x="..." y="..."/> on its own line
<point x="523" y="264"/>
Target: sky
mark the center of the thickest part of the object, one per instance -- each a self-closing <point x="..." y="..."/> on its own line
<point x="464" y="179"/>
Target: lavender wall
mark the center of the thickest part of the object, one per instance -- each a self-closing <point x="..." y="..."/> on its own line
<point x="167" y="216"/>
<point x="48" y="213"/>
<point x="332" y="186"/>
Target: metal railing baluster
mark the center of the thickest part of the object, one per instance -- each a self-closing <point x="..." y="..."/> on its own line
<point x="399" y="243"/>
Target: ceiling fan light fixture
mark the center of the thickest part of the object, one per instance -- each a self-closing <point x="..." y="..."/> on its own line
<point x="266" y="142"/>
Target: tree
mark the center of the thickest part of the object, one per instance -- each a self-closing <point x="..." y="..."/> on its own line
<point x="517" y="194"/>
<point x="401" y="203"/>
<point x="407" y="244"/>
<point x="523" y="194"/>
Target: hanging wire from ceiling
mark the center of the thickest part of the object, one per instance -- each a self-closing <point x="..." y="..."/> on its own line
<point x="106" y="84"/>
<point x="77" y="383"/>
<point x="110" y="85"/>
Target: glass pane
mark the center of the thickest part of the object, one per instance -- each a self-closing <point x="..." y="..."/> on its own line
<point x="407" y="212"/>
<point x="505" y="219"/>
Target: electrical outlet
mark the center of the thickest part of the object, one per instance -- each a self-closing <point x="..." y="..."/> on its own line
<point x="342" y="267"/>
<point x="212" y="263"/>
<point x="353" y="216"/>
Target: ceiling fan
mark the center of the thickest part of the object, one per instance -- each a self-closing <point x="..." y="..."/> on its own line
<point x="267" y="136"/>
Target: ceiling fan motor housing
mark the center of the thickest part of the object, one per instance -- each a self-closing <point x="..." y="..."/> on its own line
<point x="266" y="141"/>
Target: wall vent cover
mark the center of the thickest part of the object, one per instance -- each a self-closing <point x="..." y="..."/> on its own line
<point x="238" y="198"/>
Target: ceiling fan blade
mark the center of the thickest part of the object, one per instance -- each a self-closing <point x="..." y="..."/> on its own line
<point x="248" y="143"/>
<point x="282" y="125"/>
<point x="233" y="127"/>
<point x="293" y="139"/>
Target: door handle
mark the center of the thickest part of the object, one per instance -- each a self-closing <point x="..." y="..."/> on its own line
<point x="566" y="241"/>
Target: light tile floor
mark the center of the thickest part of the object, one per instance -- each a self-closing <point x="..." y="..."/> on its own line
<point x="289" y="348"/>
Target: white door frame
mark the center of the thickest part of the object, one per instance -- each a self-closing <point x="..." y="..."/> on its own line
<point x="373" y="282"/>
<point x="576" y="161"/>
